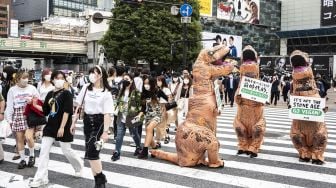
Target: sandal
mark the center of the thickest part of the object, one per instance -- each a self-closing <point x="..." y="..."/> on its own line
<point x="16" y="157"/>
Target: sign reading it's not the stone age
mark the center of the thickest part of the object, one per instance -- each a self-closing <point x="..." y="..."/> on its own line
<point x="255" y="90"/>
<point x="307" y="108"/>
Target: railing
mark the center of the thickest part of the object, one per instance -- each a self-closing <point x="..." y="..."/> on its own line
<point x="43" y="46"/>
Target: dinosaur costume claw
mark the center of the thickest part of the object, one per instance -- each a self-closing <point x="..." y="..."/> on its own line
<point x="196" y="136"/>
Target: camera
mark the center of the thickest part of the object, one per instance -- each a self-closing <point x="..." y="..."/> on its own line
<point x="99" y="145"/>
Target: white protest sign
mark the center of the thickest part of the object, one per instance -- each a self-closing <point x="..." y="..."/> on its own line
<point x="255" y="90"/>
<point x="307" y="108"/>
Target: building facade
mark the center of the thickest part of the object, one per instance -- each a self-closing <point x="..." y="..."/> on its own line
<point x="5" y="16"/>
<point x="310" y="26"/>
<point x="260" y="34"/>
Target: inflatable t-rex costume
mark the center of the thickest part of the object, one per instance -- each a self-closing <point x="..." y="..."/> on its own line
<point x="249" y="123"/>
<point x="197" y="134"/>
<point x="308" y="137"/>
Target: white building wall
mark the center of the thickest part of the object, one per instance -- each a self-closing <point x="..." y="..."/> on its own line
<point x="300" y="14"/>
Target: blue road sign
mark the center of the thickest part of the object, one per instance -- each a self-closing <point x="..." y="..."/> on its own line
<point x="185" y="10"/>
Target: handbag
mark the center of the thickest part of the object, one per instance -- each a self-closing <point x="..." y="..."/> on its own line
<point x="5" y="129"/>
<point x="171" y="105"/>
<point x="81" y="108"/>
<point x="34" y="120"/>
<point x="132" y="122"/>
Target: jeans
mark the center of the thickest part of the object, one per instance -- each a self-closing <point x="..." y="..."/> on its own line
<point x="121" y="129"/>
<point x="70" y="154"/>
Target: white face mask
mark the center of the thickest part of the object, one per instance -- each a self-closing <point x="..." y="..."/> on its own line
<point x="4" y="74"/>
<point x="69" y="79"/>
<point x="159" y="84"/>
<point x="175" y="79"/>
<point x="47" y="77"/>
<point x="24" y="82"/>
<point x="186" y="81"/>
<point x="59" y="84"/>
<point x="92" y="78"/>
<point x="147" y="87"/>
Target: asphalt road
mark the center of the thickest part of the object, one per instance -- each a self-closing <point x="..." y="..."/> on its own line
<point x="276" y="166"/>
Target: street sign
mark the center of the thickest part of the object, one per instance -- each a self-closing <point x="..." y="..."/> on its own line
<point x="174" y="10"/>
<point x="185" y="19"/>
<point x="185" y="10"/>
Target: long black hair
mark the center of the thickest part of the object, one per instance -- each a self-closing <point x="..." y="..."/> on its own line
<point x="132" y="88"/>
<point x="100" y="70"/>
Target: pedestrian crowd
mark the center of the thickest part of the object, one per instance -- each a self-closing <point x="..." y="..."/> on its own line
<point x="109" y="102"/>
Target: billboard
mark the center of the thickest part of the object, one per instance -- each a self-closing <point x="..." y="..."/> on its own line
<point x="247" y="11"/>
<point x="328" y="12"/>
<point x="14" y="28"/>
<point x="205" y="7"/>
<point x="232" y="41"/>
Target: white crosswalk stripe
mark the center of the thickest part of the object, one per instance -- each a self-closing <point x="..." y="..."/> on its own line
<point x="276" y="166"/>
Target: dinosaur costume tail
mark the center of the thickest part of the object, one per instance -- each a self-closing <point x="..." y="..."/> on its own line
<point x="172" y="157"/>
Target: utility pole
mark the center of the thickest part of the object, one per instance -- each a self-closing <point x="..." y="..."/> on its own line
<point x="185" y="33"/>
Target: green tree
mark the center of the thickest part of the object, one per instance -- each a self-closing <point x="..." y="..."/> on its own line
<point x="149" y="34"/>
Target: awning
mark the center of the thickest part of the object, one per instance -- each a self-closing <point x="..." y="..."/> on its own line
<point x="307" y="33"/>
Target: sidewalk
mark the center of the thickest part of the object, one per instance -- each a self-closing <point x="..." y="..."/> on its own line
<point x="329" y="103"/>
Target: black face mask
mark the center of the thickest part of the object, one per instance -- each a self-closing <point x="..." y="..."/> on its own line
<point x="126" y="83"/>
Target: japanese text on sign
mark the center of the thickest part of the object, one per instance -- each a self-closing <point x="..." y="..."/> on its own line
<point x="328" y="12"/>
<point x="307" y="108"/>
<point x="255" y="90"/>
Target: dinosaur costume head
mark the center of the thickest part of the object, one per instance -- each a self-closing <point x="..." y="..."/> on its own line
<point x="300" y="63"/>
<point x="303" y="77"/>
<point x="249" y="66"/>
<point x="211" y="56"/>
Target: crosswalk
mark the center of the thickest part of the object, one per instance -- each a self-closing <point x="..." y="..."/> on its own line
<point x="276" y="166"/>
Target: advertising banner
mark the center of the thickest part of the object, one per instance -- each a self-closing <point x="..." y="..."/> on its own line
<point x="328" y="12"/>
<point x="255" y="90"/>
<point x="307" y="108"/>
<point x="247" y="11"/>
<point x="205" y="7"/>
<point x="233" y="41"/>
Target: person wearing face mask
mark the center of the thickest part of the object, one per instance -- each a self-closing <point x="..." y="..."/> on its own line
<point x="8" y="80"/>
<point x="129" y="104"/>
<point x="163" y="128"/>
<point x="152" y="110"/>
<point x="96" y="100"/>
<point x="173" y="86"/>
<point x="58" y="105"/>
<point x="182" y="97"/>
<point x="46" y="85"/>
<point x="17" y="98"/>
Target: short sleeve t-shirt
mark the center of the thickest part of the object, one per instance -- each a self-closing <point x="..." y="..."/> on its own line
<point x="96" y="101"/>
<point x="167" y="92"/>
<point x="63" y="104"/>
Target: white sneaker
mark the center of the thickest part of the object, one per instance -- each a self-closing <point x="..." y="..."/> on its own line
<point x="38" y="183"/>
<point x="79" y="173"/>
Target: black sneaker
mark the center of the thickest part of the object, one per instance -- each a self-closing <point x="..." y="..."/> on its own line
<point x="137" y="151"/>
<point x="22" y="164"/>
<point x="167" y="139"/>
<point x="115" y="156"/>
<point x="31" y="161"/>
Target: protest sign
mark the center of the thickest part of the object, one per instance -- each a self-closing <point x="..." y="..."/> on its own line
<point x="307" y="108"/>
<point x="255" y="90"/>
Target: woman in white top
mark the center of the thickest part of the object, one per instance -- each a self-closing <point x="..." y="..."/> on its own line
<point x="173" y="86"/>
<point x="97" y="102"/>
<point x="184" y="91"/>
<point x="163" y="128"/>
<point x="46" y="85"/>
<point x="17" y="98"/>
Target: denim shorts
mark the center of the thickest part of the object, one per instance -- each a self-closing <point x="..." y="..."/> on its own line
<point x="93" y="129"/>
